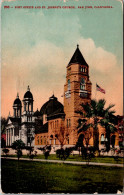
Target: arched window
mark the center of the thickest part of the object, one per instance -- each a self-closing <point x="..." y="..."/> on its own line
<point x="41" y="139"/>
<point x="102" y="139"/>
<point x="45" y="140"/>
<point x="69" y="85"/>
<point x="82" y="84"/>
<point x="38" y="140"/>
<point x="68" y="140"/>
<point x="69" y="122"/>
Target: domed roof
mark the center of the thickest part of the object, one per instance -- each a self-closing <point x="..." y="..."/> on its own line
<point x="37" y="113"/>
<point x="51" y="106"/>
<point x="17" y="101"/>
<point x="28" y="94"/>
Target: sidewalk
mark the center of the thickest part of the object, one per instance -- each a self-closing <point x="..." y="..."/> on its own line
<point x="68" y="162"/>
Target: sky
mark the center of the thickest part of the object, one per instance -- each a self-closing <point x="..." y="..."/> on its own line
<point x="37" y="44"/>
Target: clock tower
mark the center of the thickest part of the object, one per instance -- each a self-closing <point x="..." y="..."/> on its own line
<point x="77" y="90"/>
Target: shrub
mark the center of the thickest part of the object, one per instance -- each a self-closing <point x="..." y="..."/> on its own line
<point x="5" y="151"/>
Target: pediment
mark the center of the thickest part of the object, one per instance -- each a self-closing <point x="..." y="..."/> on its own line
<point x="9" y="122"/>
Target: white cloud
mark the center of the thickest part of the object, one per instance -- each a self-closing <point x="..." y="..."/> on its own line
<point x="100" y="59"/>
<point x="44" y="68"/>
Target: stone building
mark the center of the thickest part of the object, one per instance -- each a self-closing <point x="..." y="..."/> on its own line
<point x="63" y="122"/>
<point x="22" y="124"/>
<point x="55" y="124"/>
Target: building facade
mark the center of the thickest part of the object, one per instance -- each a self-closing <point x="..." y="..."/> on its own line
<point x="56" y="124"/>
<point x="22" y="124"/>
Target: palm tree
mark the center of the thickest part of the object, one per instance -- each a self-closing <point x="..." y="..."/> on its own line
<point x="95" y="114"/>
<point x="109" y="123"/>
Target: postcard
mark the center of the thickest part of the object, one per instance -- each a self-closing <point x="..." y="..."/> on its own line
<point x="62" y="96"/>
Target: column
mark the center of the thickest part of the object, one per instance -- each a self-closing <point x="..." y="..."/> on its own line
<point x="20" y="112"/>
<point x="28" y="106"/>
<point x="6" y="137"/>
<point x="13" y="135"/>
<point x="14" y="112"/>
<point x="24" y="106"/>
<point x="31" y="107"/>
<point x="10" y="137"/>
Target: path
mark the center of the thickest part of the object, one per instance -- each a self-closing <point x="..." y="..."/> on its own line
<point x="68" y="162"/>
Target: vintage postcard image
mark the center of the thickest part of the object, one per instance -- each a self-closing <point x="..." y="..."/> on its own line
<point x="62" y="96"/>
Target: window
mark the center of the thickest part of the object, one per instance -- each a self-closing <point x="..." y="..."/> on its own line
<point x="68" y="140"/>
<point x="41" y="139"/>
<point x="69" y="122"/>
<point x="69" y="85"/>
<point x="51" y="125"/>
<point x="83" y="69"/>
<point x="82" y="84"/>
<point x="44" y="140"/>
<point x="38" y="140"/>
<point x="102" y="139"/>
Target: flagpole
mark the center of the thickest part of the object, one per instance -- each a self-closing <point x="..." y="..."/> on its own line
<point x="95" y="93"/>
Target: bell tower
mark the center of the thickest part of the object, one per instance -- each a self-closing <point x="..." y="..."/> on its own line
<point x="17" y="107"/>
<point x="77" y="90"/>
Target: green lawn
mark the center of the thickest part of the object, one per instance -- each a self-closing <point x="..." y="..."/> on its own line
<point x="37" y="177"/>
<point x="102" y="159"/>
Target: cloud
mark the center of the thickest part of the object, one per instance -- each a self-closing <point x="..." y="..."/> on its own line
<point x="100" y="59"/>
<point x="104" y="70"/>
<point x="43" y="67"/>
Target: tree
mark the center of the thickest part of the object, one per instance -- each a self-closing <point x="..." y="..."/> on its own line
<point x="96" y="114"/>
<point x="5" y="151"/>
<point x="3" y="133"/>
<point x="63" y="135"/>
<point x="18" y="145"/>
<point x="3" y="124"/>
<point x="110" y="128"/>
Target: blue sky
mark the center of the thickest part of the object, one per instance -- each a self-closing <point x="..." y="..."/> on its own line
<point x="37" y="45"/>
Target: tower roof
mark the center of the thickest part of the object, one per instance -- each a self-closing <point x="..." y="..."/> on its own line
<point x="28" y="94"/>
<point x="17" y="101"/>
<point x="37" y="113"/>
<point x="77" y="58"/>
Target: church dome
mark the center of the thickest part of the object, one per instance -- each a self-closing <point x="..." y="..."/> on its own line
<point x="51" y="106"/>
<point x="28" y="94"/>
<point x="37" y="113"/>
<point x="17" y="101"/>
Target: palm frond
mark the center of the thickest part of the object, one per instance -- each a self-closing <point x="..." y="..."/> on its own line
<point x="81" y="122"/>
<point x="100" y="107"/>
<point x="84" y="128"/>
<point x="87" y="109"/>
<point x="79" y="112"/>
<point x="110" y="106"/>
